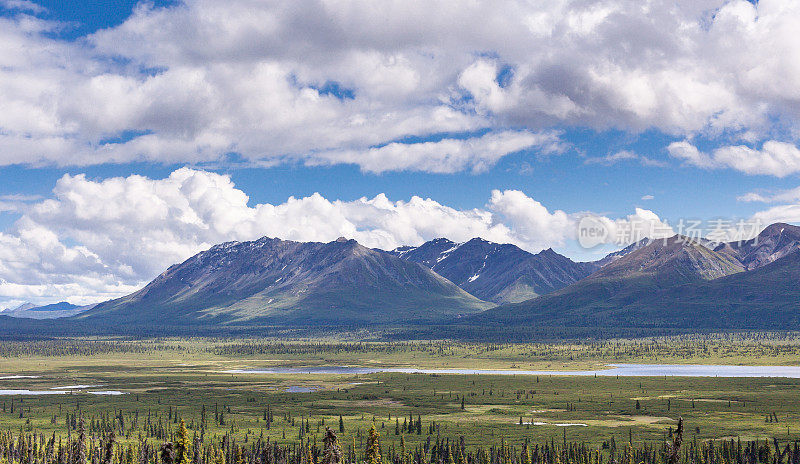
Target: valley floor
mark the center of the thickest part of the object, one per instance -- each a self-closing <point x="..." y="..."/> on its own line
<point x="167" y="380"/>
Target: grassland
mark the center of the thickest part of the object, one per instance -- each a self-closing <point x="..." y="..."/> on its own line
<point x="168" y="380"/>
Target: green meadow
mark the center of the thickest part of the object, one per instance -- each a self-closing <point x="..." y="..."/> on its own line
<point x="165" y="381"/>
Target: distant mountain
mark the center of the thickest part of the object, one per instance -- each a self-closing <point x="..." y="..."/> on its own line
<point x="51" y="311"/>
<point x="767" y="297"/>
<point x="671" y="261"/>
<point x="613" y="256"/>
<point x="774" y="242"/>
<point x="21" y="308"/>
<point x="626" y="290"/>
<point x="272" y="281"/>
<point x="269" y="283"/>
<point x="501" y="273"/>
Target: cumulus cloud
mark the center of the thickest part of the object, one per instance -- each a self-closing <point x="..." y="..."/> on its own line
<point x="98" y="239"/>
<point x="643" y="223"/>
<point x="339" y="81"/>
<point x="774" y="158"/>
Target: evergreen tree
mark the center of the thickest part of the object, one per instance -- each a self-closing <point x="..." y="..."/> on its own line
<point x="108" y="455"/>
<point x="167" y="453"/>
<point x="309" y="458"/>
<point x="218" y="455"/>
<point x="331" y="452"/>
<point x="79" y="449"/>
<point x="526" y="457"/>
<point x="373" y="452"/>
<point x="403" y="454"/>
<point x="182" y="445"/>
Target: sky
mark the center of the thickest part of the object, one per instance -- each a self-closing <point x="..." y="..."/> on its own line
<point x="136" y="134"/>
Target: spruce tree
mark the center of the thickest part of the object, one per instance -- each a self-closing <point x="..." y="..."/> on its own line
<point x="219" y="456"/>
<point x="167" y="453"/>
<point x="308" y="457"/>
<point x="182" y="445"/>
<point x="403" y="454"/>
<point x="108" y="455"/>
<point x="331" y="452"/>
<point x="373" y="452"/>
<point x="79" y="450"/>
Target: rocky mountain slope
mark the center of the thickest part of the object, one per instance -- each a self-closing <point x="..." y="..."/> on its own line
<point x="501" y="273"/>
<point x="272" y="281"/>
<point x="678" y="283"/>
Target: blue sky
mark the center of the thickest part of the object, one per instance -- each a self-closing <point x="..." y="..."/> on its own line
<point x="514" y="122"/>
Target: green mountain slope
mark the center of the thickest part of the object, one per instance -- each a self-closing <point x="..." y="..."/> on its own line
<point x="631" y="291"/>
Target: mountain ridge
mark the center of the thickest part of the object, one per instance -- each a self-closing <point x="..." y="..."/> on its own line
<point x="650" y="286"/>
<point x="495" y="272"/>
<point x="277" y="281"/>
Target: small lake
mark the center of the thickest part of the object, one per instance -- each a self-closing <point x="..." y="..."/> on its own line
<point x="26" y="392"/>
<point x="622" y="370"/>
<point x="298" y="389"/>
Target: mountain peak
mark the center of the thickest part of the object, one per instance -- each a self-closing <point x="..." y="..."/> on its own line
<point x="478" y="240"/>
<point x="497" y="272"/>
<point x="677" y="258"/>
<point x="548" y="252"/>
<point x="23" y="307"/>
<point x="281" y="281"/>
<point x="774" y="242"/>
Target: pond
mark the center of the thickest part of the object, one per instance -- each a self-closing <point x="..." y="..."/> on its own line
<point x="298" y="389"/>
<point x="622" y="370"/>
<point x="59" y="392"/>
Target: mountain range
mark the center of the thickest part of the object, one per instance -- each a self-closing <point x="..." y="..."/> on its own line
<point x="680" y="283"/>
<point x="500" y="273"/>
<point x="672" y="283"/>
<point x="272" y="281"/>
<point x="50" y="311"/>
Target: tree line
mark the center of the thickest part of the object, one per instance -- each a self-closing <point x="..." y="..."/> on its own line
<point x="184" y="446"/>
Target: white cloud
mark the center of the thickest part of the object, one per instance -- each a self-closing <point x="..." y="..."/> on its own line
<point x="624" y="155"/>
<point x="23" y="5"/>
<point x="789" y="213"/>
<point x="199" y="80"/>
<point x="775" y="158"/>
<point x="647" y="197"/>
<point x="447" y="155"/>
<point x="777" y="197"/>
<point x="643" y="223"/>
<point x="787" y="210"/>
<point x="690" y="154"/>
<point x="98" y="239"/>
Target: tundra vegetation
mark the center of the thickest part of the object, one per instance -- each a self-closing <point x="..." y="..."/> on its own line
<point x="175" y="401"/>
